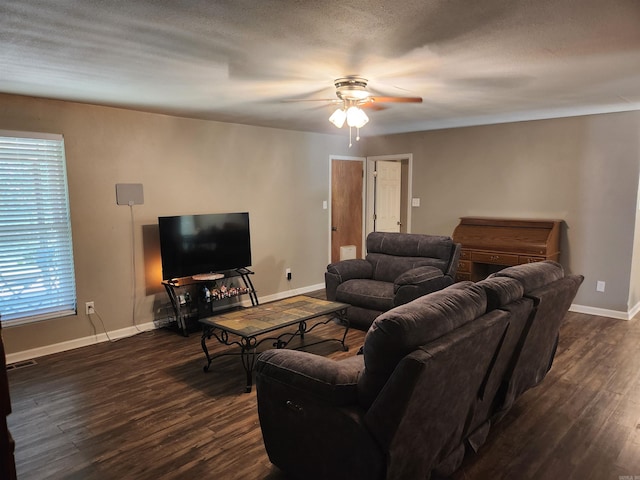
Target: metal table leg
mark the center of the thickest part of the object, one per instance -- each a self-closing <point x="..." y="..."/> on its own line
<point x="248" y="354"/>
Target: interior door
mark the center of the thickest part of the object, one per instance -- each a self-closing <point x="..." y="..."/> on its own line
<point x="347" y="179"/>
<point x="388" y="189"/>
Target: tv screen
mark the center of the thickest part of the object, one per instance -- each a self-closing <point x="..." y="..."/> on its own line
<point x="199" y="244"/>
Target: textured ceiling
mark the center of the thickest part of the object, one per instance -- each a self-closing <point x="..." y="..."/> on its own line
<point x="239" y="61"/>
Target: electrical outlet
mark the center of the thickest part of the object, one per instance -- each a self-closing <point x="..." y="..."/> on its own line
<point x="600" y="286"/>
<point x="89" y="308"/>
<point x="287" y="274"/>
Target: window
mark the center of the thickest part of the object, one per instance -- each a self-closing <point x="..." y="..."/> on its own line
<point x="37" y="280"/>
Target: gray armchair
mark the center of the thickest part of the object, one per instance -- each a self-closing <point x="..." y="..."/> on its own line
<point x="398" y="268"/>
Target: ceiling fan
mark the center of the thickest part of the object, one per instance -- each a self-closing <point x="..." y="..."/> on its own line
<point x="354" y="96"/>
<point x="353" y="89"/>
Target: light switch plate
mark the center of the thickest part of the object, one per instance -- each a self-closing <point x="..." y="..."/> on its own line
<point x="415" y="202"/>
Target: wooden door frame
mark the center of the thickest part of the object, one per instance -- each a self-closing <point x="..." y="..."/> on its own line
<point x="364" y="198"/>
<point x="370" y="201"/>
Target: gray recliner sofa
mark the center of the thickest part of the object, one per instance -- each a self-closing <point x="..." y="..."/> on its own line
<point x="398" y="268"/>
<point x="434" y="375"/>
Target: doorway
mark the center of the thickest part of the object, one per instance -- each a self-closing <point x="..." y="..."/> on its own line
<point x="347" y="207"/>
<point x="355" y="205"/>
<point x="386" y="196"/>
<point x="388" y="204"/>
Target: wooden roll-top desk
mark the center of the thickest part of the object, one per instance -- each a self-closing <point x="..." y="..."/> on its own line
<point x="491" y="244"/>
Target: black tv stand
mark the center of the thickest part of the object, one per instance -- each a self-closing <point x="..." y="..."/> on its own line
<point x="189" y="304"/>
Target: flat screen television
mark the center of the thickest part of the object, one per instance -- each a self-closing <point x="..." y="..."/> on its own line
<point x="200" y="244"/>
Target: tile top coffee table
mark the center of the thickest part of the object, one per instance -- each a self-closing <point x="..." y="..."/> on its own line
<point x="242" y="327"/>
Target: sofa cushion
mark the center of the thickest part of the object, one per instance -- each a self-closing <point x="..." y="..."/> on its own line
<point x="410" y="244"/>
<point x="370" y="294"/>
<point x="421" y="415"/>
<point x="386" y="268"/>
<point x="536" y="354"/>
<point x="361" y="318"/>
<point x="533" y="275"/>
<point x="501" y="291"/>
<point x="401" y="330"/>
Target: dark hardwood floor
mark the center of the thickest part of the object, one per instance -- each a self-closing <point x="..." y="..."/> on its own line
<point x="142" y="408"/>
<point x="582" y="421"/>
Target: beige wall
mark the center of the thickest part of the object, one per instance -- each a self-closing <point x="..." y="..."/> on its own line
<point x="186" y="166"/>
<point x="583" y="170"/>
<point x="634" y="289"/>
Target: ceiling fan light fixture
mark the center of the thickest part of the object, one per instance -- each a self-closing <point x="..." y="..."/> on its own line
<point x="338" y="117"/>
<point x="356" y="117"/>
<point x="352" y="88"/>
<point x="354" y="93"/>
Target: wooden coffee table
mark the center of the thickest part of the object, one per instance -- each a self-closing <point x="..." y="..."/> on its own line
<point x="243" y="327"/>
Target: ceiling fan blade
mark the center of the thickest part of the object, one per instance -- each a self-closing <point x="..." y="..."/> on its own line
<point x="395" y="99"/>
<point x="373" y="106"/>
<point x="331" y="100"/>
<point x="322" y="94"/>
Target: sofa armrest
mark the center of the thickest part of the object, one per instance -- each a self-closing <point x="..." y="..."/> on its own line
<point x="353" y="268"/>
<point x="333" y="381"/>
<point x="312" y="427"/>
<point x="417" y="276"/>
<point x="417" y="282"/>
<point x="452" y="269"/>
<point x="339" y="272"/>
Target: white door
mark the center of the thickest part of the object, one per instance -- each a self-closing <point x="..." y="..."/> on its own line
<point x="388" y="188"/>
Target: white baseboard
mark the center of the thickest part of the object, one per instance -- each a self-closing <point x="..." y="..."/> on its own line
<point x="130" y="331"/>
<point x="77" y="343"/>
<point x="634" y="311"/>
<point x="287" y="293"/>
<point x="603" y="312"/>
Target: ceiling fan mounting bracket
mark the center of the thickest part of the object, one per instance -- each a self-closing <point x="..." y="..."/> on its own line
<point x="351" y="88"/>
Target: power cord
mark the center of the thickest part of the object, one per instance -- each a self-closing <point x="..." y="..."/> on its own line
<point x="133" y="260"/>
<point x="111" y="340"/>
<point x="95" y="312"/>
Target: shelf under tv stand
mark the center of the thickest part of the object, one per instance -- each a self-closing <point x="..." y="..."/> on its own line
<point x="188" y="304"/>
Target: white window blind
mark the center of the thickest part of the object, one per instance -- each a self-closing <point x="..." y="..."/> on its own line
<point x="37" y="279"/>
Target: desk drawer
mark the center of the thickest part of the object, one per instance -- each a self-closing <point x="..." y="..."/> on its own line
<point x="530" y="259"/>
<point x="495" y="258"/>
<point x="464" y="266"/>
<point x="465" y="254"/>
